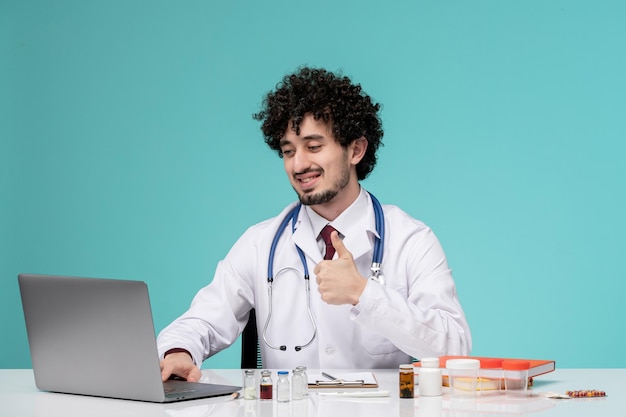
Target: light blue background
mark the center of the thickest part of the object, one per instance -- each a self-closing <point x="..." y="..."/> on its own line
<point x="128" y="149"/>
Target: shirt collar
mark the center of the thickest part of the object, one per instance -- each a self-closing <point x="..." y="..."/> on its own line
<point x="344" y="221"/>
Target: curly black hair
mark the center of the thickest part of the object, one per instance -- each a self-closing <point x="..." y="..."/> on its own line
<point x="327" y="96"/>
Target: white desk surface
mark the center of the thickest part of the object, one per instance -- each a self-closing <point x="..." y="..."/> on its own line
<point x="19" y="397"/>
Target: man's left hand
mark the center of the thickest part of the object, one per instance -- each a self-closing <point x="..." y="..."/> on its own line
<point x="338" y="280"/>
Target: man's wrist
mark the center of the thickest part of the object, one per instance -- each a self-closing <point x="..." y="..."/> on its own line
<point x="359" y="291"/>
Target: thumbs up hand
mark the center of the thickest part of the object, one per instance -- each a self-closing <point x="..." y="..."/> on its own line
<point x="338" y="280"/>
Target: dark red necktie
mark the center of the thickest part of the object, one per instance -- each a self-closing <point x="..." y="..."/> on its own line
<point x="325" y="234"/>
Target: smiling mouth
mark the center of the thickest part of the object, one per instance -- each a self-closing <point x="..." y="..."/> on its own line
<point x="307" y="178"/>
<point x="308" y="175"/>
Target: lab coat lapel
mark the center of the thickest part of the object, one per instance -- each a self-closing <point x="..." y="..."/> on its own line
<point x="358" y="238"/>
<point x="304" y="238"/>
<point x="358" y="243"/>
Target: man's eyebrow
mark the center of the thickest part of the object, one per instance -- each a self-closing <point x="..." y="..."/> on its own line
<point x="312" y="136"/>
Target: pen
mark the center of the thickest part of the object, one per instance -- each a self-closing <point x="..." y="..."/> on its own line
<point x="332" y="378"/>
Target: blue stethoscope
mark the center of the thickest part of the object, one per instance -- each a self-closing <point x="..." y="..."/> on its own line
<point x="376" y="273"/>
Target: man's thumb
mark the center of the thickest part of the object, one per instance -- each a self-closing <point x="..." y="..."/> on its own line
<point x="340" y="248"/>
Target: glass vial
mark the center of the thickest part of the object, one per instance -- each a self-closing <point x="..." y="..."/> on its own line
<point x="249" y="384"/>
<point x="297" y="384"/>
<point x="305" y="381"/>
<point x="282" y="387"/>
<point x="266" y="385"/>
<point x="406" y="381"/>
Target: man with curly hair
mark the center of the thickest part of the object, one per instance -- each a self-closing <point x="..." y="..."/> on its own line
<point x="327" y="132"/>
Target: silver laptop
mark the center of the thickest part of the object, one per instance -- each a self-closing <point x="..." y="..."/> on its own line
<point x="95" y="337"/>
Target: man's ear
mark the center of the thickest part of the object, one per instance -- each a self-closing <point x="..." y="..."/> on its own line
<point x="357" y="149"/>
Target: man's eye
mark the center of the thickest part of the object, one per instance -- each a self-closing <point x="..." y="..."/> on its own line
<point x="315" y="148"/>
<point x="286" y="152"/>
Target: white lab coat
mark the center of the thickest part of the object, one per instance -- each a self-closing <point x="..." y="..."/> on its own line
<point x="416" y="314"/>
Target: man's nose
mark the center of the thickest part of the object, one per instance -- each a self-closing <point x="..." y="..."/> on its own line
<point x="301" y="162"/>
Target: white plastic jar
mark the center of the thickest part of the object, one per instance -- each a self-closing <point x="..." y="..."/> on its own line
<point x="491" y="380"/>
<point x="430" y="382"/>
<point x="463" y="376"/>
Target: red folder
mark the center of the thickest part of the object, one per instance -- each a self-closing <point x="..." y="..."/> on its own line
<point x="537" y="366"/>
